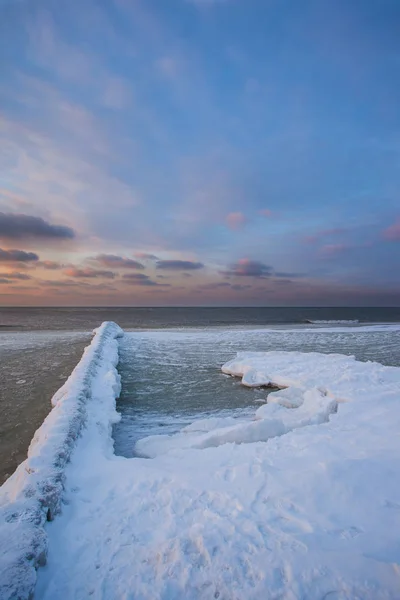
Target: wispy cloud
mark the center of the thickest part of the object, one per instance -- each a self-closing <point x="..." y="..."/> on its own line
<point x="146" y="256"/>
<point x="331" y="250"/>
<point x="249" y="268"/>
<point x="16" y="275"/>
<point x="17" y="256"/>
<point x="20" y="226"/>
<point x="215" y="285"/>
<point x="236" y="220"/>
<point x="325" y="233"/>
<point x="121" y="262"/>
<point x="179" y="265"/>
<point x="168" y="66"/>
<point x="205" y="3"/>
<point x="142" y="280"/>
<point x="392" y="233"/>
<point x="89" y="273"/>
<point x="117" y="93"/>
<point x="50" y="265"/>
<point x="149" y="145"/>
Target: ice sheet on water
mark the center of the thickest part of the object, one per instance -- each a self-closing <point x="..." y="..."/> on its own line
<point x="333" y="322"/>
<point x="172" y="378"/>
<point x="311" y="514"/>
<point x="315" y="384"/>
<point x="269" y="421"/>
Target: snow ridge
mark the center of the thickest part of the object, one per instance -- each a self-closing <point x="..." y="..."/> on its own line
<point x="333" y="321"/>
<point x="33" y="494"/>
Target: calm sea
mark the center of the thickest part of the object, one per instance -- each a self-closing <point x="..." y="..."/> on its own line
<point x="84" y="319"/>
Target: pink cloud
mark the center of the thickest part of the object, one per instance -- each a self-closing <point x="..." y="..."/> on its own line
<point x="319" y="235"/>
<point x="393" y="232"/>
<point x="310" y="239"/>
<point x="235" y="220"/>
<point x="265" y="212"/>
<point x="117" y="93"/>
<point x="168" y="66"/>
<point x="88" y="273"/>
<point x="330" y="250"/>
<point x="146" y="256"/>
<point x="248" y="268"/>
<point x="51" y="265"/>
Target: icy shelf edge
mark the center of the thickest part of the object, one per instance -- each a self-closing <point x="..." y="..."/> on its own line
<point x="33" y="494"/>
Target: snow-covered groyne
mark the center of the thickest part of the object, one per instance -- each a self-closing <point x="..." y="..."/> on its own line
<point x="33" y="494"/>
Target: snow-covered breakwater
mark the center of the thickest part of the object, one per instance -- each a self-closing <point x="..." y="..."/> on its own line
<point x="32" y="495"/>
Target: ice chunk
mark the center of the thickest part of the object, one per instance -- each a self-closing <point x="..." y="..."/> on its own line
<point x="271" y="420"/>
<point x="290" y="397"/>
<point x="203" y="425"/>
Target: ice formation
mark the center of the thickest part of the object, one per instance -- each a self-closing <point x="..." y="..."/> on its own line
<point x="220" y="514"/>
<point x="33" y="494"/>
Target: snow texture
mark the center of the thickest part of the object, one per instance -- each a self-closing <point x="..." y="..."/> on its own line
<point x="271" y="420"/>
<point x="313" y="384"/>
<point x="313" y="513"/>
<point x="33" y="494"/>
<point x="333" y="322"/>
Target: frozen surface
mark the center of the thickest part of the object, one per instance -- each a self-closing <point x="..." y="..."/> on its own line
<point x="33" y="494"/>
<point x="172" y="378"/>
<point x="333" y="321"/>
<point x="312" y="513"/>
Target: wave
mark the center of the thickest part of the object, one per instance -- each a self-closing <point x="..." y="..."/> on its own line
<point x="333" y="322"/>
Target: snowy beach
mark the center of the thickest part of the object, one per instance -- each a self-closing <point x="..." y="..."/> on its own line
<point x="293" y="493"/>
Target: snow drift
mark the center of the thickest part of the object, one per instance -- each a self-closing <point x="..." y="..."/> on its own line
<point x="313" y="513"/>
<point x="33" y="494"/>
<point x="218" y="513"/>
<point x="312" y="385"/>
<point x="332" y="321"/>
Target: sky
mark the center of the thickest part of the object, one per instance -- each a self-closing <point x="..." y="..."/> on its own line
<point x="200" y="152"/>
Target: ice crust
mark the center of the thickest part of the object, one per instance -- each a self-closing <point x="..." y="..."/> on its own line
<point x="333" y="321"/>
<point x="312" y="385"/>
<point x="33" y="494"/>
<point x="271" y="420"/>
<point x="314" y="513"/>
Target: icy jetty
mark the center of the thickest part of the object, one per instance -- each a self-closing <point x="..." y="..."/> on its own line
<point x="32" y="495"/>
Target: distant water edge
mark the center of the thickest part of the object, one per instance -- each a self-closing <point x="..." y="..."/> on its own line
<point x="84" y="319"/>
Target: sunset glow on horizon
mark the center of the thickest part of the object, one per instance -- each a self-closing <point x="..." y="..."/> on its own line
<point x="199" y="152"/>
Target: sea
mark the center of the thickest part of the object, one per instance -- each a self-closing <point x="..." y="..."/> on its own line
<point x="170" y="361"/>
<point x="83" y="319"/>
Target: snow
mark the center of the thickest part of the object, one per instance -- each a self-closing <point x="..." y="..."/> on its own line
<point x="333" y="322"/>
<point x="313" y="386"/>
<point x="271" y="420"/>
<point x="33" y="494"/>
<point x="314" y="512"/>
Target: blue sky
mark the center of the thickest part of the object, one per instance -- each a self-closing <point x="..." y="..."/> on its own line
<point x="211" y="152"/>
